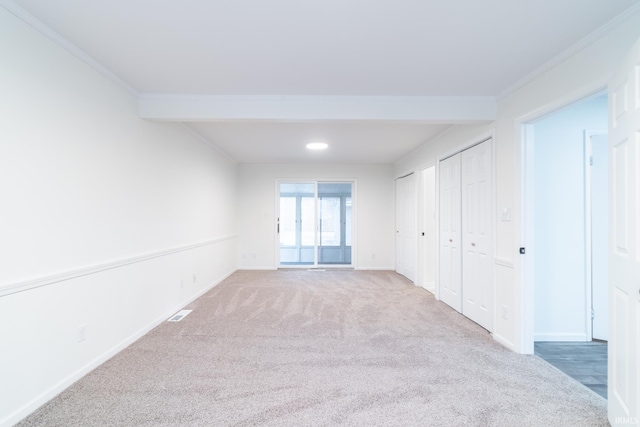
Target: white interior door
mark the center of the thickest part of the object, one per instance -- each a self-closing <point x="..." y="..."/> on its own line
<point x="450" y="260"/>
<point x="599" y="168"/>
<point x="405" y="226"/>
<point x="409" y="227"/>
<point x="477" y="235"/>
<point x="624" y="231"/>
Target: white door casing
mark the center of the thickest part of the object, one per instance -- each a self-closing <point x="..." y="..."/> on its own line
<point x="409" y="223"/>
<point x="599" y="227"/>
<point x="399" y="226"/>
<point x="477" y="235"/>
<point x="429" y="244"/>
<point x="624" y="242"/>
<point x="450" y="260"/>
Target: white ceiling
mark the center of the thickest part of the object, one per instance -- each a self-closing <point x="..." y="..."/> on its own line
<point x="324" y="48"/>
<point x="349" y="142"/>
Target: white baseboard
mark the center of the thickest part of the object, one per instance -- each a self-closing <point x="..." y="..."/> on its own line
<point x="52" y="392"/>
<point x="263" y="268"/>
<point x="430" y="286"/>
<point x="559" y="337"/>
<point x="376" y="268"/>
<point x="505" y="342"/>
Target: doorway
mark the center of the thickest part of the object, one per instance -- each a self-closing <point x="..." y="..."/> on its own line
<point x="315" y="223"/>
<point x="567" y="245"/>
<point x="569" y="210"/>
<point x="428" y="229"/>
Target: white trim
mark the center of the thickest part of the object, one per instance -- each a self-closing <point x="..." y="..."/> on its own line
<point x="576" y="48"/>
<point x="384" y="268"/>
<point x="526" y="300"/>
<point x="258" y="268"/>
<point x="503" y="262"/>
<point x="471" y="142"/>
<point x="209" y="143"/>
<point x="412" y="153"/>
<point x="560" y="337"/>
<point x="430" y="286"/>
<point x="24" y="285"/>
<point x="588" y="274"/>
<point x="505" y="342"/>
<point x="55" y="37"/>
<point x="53" y="391"/>
<point x="588" y="154"/>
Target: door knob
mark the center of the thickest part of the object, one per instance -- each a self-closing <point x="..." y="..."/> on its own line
<point x="473" y="244"/>
<point x="450" y="240"/>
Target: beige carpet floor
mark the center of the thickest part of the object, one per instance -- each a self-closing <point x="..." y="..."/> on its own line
<point x="298" y="348"/>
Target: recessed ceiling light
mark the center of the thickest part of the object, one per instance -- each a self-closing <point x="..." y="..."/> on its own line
<point x="317" y="146"/>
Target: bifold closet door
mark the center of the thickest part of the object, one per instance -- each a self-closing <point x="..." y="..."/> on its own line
<point x="450" y="264"/>
<point x="477" y="235"/>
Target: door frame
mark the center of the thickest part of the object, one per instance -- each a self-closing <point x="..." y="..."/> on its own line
<point x="422" y="227"/>
<point x="354" y="222"/>
<point x="524" y="209"/>
<point x="588" y="134"/>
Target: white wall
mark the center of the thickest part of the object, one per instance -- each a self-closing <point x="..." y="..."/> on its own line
<point x="582" y="74"/>
<point x="102" y="215"/>
<point x="560" y="223"/>
<point x="374" y="227"/>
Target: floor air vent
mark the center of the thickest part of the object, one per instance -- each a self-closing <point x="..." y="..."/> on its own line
<point x="179" y="316"/>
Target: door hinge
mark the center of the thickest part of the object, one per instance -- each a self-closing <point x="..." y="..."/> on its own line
<point x="591" y="161"/>
<point x="521" y="251"/>
<point x="593" y="314"/>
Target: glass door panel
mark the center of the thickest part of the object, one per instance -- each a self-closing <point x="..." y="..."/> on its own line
<point x="315" y="223"/>
<point x="297" y="223"/>
<point x="335" y="222"/>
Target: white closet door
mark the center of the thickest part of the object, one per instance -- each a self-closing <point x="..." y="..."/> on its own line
<point x="624" y="242"/>
<point x="477" y="235"/>
<point x="450" y="267"/>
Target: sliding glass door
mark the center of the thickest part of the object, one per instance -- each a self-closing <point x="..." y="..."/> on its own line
<point x="315" y="223"/>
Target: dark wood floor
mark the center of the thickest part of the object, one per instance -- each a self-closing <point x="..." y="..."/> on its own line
<point x="586" y="362"/>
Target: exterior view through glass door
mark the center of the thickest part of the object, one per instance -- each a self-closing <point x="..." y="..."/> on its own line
<point x="315" y="223"/>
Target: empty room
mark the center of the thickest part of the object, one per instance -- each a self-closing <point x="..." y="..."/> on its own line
<point x="315" y="213"/>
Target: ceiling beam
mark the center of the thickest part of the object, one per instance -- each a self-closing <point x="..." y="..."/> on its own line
<point x="455" y="110"/>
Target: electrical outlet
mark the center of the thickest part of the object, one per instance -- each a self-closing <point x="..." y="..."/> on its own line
<point x="505" y="312"/>
<point x="253" y="255"/>
<point x="373" y="256"/>
<point x="195" y="278"/>
<point x="181" y="283"/>
<point x="82" y="333"/>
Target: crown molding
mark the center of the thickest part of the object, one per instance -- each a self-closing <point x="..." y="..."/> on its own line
<point x="576" y="48"/>
<point x="57" y="38"/>
<point x="206" y="141"/>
